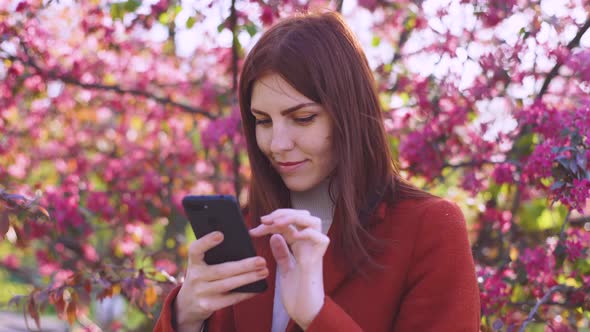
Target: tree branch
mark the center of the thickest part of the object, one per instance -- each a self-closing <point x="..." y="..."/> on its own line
<point x="235" y="56"/>
<point x="555" y="70"/>
<point x="114" y="88"/>
<point x="475" y="163"/>
<point x="543" y="300"/>
<point x="526" y="129"/>
<point x="339" y="5"/>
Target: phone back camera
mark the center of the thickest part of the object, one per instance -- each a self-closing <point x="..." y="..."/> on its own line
<point x="201" y="207"/>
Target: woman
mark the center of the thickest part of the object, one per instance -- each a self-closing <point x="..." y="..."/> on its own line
<point x="344" y="243"/>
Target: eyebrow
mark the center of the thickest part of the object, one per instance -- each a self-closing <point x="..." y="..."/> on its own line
<point x="286" y="111"/>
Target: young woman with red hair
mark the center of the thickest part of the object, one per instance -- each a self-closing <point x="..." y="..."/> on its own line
<point x="344" y="242"/>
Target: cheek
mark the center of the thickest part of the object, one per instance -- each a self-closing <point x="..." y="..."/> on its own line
<point x="262" y="141"/>
<point x="329" y="151"/>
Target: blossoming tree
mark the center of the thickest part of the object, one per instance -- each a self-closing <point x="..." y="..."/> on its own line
<point x="110" y="112"/>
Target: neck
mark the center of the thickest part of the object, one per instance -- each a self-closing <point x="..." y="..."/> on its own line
<point x="316" y="200"/>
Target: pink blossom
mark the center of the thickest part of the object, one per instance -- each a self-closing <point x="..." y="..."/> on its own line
<point x="47" y="265"/>
<point x="420" y="156"/>
<point x="369" y="4"/>
<point x="575" y="195"/>
<point x="99" y="203"/>
<point x="539" y="264"/>
<point x="166" y="265"/>
<point x="504" y="173"/>
<point x="220" y="130"/>
<point x="540" y="162"/>
<point x="90" y="253"/>
<point x="580" y="63"/>
<point x="472" y="182"/>
<point x="127" y="246"/>
<point x="499" y="219"/>
<point x="494" y="291"/>
<point x="267" y="16"/>
<point x="11" y="261"/>
<point x="20" y="166"/>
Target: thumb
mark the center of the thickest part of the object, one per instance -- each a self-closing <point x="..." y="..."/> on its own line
<point x="281" y="253"/>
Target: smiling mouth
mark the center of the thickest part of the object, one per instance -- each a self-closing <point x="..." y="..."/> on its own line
<point x="289" y="167"/>
<point x="287" y="164"/>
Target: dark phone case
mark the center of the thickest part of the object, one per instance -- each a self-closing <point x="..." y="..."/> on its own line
<point x="222" y="213"/>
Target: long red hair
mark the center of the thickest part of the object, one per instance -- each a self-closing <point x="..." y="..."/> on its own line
<point x="321" y="58"/>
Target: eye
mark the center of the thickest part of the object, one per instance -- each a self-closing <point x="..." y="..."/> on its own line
<point x="263" y="122"/>
<point x="305" y="120"/>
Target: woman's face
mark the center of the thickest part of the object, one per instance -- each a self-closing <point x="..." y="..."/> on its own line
<point x="293" y="132"/>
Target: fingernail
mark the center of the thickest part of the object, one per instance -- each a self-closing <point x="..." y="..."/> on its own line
<point x="217" y="236"/>
<point x="259" y="262"/>
<point x="263" y="273"/>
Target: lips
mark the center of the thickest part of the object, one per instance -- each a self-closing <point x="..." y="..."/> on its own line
<point x="289" y="166"/>
<point x="290" y="163"/>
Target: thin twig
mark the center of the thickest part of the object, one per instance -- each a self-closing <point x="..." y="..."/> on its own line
<point x="543" y="300"/>
<point x="235" y="56"/>
<point x="114" y="88"/>
<point x="555" y="70"/>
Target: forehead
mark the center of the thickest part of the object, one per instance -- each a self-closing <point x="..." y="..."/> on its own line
<point x="272" y="92"/>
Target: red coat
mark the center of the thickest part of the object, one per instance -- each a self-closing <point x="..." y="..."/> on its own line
<point x="428" y="283"/>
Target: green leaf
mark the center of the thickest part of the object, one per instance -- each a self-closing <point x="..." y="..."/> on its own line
<point x="132" y="5"/>
<point x="581" y="161"/>
<point x="190" y="22"/>
<point x="164" y="18"/>
<point x="518" y="293"/>
<point x="405" y="97"/>
<point x="251" y="29"/>
<point x="557" y="185"/>
<point x="220" y="27"/>
<point x="524" y="146"/>
<point x="410" y="23"/>
<point x="117" y="11"/>
<point x="550" y="218"/>
<point x="375" y="41"/>
<point x="536" y="216"/>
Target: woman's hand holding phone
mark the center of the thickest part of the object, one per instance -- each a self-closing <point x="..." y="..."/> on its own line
<point x="206" y="288"/>
<point x="301" y="273"/>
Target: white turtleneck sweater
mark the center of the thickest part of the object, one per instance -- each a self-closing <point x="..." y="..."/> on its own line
<point x="317" y="201"/>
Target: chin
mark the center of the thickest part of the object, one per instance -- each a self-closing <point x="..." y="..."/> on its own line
<point x="298" y="185"/>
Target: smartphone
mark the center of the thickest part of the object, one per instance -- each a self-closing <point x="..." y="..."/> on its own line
<point x="222" y="213"/>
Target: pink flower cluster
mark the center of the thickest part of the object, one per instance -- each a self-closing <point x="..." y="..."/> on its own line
<point x="562" y="155"/>
<point x="499" y="219"/>
<point x="580" y="63"/>
<point x="539" y="264"/>
<point x="493" y="11"/>
<point x="540" y="163"/>
<point x="98" y="202"/>
<point x="494" y="291"/>
<point x="421" y="155"/>
<point x="220" y="130"/>
<point x="504" y="173"/>
<point x="575" y="195"/>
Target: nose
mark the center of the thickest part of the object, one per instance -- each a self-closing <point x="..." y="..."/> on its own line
<point x="281" y="140"/>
